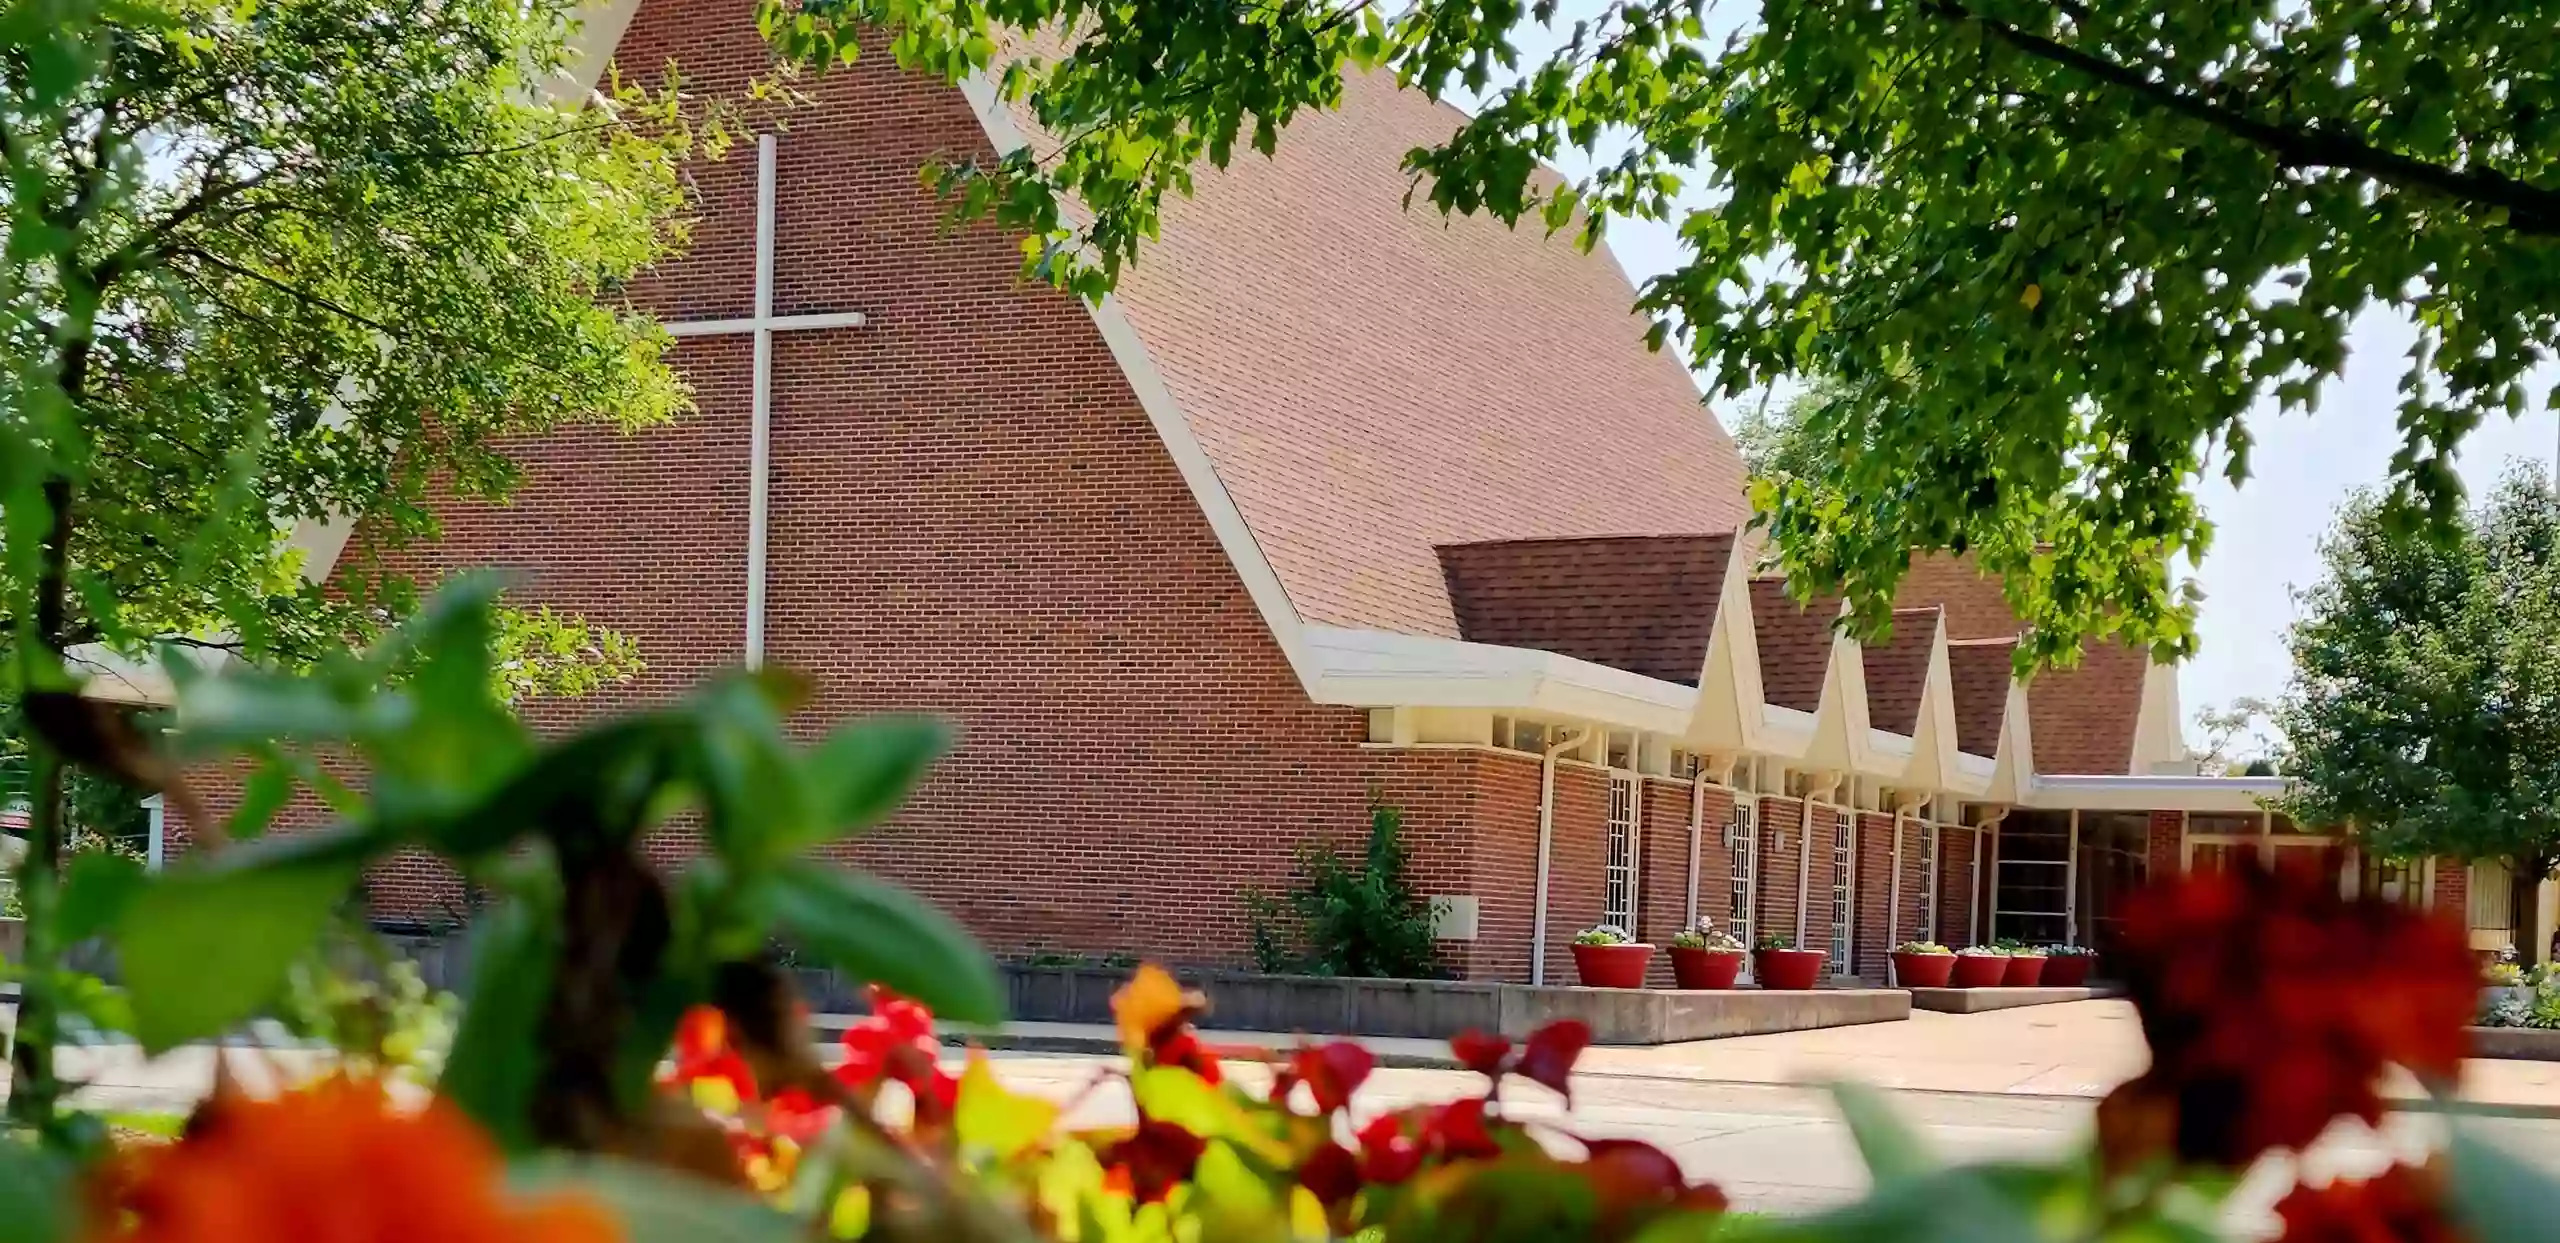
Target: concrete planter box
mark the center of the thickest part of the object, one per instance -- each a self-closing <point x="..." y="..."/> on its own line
<point x="1323" y="1006"/>
<point x="2526" y="1044"/>
<point x="1977" y="1000"/>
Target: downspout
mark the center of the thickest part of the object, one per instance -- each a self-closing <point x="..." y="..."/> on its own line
<point x="1697" y="827"/>
<point x="1804" y="844"/>
<point x="1893" y="903"/>
<point x="159" y="848"/>
<point x="760" y="414"/>
<point x="1984" y="835"/>
<point x="1546" y="851"/>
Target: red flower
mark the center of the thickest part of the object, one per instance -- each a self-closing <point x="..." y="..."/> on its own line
<point x="2273" y="1006"/>
<point x="1551" y="1052"/>
<point x="1481" y="1053"/>
<point x="1546" y="1059"/>
<point x="1457" y="1130"/>
<point x="1332" y="1173"/>
<point x="1181" y="1047"/>
<point x="1332" y="1072"/>
<point x="794" y="1115"/>
<point x="895" y="1042"/>
<point x="2401" y="1205"/>
<point x="1154" y="1160"/>
<point x="1632" y="1177"/>
<point x="703" y="1053"/>
<point x="1388" y="1154"/>
<point x="333" y="1161"/>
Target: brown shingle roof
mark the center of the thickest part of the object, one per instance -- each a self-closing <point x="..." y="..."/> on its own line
<point x="1795" y="644"/>
<point x="1978" y="683"/>
<point x="1372" y="382"/>
<point x="1897" y="670"/>
<point x="1645" y="604"/>
<point x="2083" y="717"/>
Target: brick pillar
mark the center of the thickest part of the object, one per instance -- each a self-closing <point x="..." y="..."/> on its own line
<point x="2167" y="845"/>
<point x="1873" y="930"/>
<point x="1956" y="849"/>
<point x="1662" y="875"/>
<point x="1780" y="864"/>
<point x="1821" y="830"/>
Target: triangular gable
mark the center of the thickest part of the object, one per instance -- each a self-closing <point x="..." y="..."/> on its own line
<point x="1644" y="604"/>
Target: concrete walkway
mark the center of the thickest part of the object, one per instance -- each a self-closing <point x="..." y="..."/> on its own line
<point x="2075" y="1050"/>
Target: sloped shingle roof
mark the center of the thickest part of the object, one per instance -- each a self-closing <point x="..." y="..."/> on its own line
<point x="1372" y="383"/>
<point x="1795" y="644"/>
<point x="1897" y="670"/>
<point x="1645" y="604"/>
<point x="2083" y="717"/>
<point x="1978" y="683"/>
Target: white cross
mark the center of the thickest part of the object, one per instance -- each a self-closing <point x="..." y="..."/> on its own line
<point x="763" y="323"/>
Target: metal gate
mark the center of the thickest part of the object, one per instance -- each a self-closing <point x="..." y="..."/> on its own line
<point x="1742" y="839"/>
<point x="1844" y="855"/>
<point x="1618" y="904"/>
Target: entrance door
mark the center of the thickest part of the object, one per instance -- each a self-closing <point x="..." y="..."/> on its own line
<point x="2031" y="881"/>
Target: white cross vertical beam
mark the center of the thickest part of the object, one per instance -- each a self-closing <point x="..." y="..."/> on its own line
<point x="762" y="324"/>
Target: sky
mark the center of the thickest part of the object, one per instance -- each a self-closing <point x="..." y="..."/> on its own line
<point x="2267" y="531"/>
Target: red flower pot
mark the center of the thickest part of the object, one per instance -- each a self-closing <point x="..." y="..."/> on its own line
<point x="1922" y="970"/>
<point x="1705" y="968"/>
<point x="1787" y="969"/>
<point x="1612" y="966"/>
<point x="1980" y="970"/>
<point x="2025" y="971"/>
<point x="2068" y="970"/>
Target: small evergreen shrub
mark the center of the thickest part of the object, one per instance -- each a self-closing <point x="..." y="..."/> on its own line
<point x="1348" y="916"/>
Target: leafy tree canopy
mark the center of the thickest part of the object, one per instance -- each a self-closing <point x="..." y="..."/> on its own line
<point x="2425" y="706"/>
<point x="289" y="263"/>
<point x="2056" y="249"/>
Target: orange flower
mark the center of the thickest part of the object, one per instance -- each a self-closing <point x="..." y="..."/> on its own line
<point x="2273" y="1007"/>
<point x="2399" y="1206"/>
<point x="334" y="1161"/>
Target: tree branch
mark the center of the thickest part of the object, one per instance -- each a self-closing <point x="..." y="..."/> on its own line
<point x="2531" y="209"/>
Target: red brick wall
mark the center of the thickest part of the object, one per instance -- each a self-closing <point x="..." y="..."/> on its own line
<point x="2453" y="889"/>
<point x="1662" y="872"/>
<point x="971" y="516"/>
<point x="1775" y="903"/>
<point x="1873" y="931"/>
<point x="1577" y="875"/>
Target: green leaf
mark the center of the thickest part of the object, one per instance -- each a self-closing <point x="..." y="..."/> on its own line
<point x="491" y="1069"/>
<point x="878" y="932"/>
<point x="863" y="771"/>
<point x="1893" y="1151"/>
<point x="656" y="1205"/>
<point x="2499" y="1195"/>
<point x="37" y="1199"/>
<point x="995" y="1118"/>
<point x="203" y="948"/>
<point x="1173" y="1094"/>
<point x="96" y="888"/>
<point x="753" y="797"/>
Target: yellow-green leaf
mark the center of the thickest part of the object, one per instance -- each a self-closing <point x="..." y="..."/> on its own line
<point x="995" y="1118"/>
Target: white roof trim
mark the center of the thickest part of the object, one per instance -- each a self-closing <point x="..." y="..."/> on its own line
<point x="2152" y="793"/>
<point x="1380" y="669"/>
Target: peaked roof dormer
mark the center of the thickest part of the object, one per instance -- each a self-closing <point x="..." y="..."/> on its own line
<point x="1897" y="671"/>
<point x="1979" y="673"/>
<point x="1795" y="643"/>
<point x="1646" y="604"/>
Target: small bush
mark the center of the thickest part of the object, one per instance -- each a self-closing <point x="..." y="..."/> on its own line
<point x="1353" y="918"/>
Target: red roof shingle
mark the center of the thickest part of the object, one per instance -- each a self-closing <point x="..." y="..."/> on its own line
<point x="1795" y="644"/>
<point x="2083" y="717"/>
<point x="1645" y="604"/>
<point x="1372" y="383"/>
<point x="1897" y="670"/>
<point x="1978" y="683"/>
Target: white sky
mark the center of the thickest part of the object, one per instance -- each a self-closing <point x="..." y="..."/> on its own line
<point x="2267" y="531"/>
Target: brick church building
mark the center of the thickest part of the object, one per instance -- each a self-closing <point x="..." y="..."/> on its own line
<point x="1331" y="501"/>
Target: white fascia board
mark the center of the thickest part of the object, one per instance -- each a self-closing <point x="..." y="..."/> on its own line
<point x="1886" y="747"/>
<point x="2152" y="793"/>
<point x="1728" y="718"/>
<point x="1379" y="669"/>
<point x="1190" y="458"/>
<point x="115" y="678"/>
<point x="1974" y="770"/>
<point x="1785" y="732"/>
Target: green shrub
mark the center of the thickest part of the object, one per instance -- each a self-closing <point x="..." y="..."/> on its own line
<point x="1353" y="917"/>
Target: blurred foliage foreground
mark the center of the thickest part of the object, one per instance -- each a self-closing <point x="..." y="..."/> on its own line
<point x="632" y="1063"/>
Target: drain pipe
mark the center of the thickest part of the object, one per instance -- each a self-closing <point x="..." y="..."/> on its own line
<point x="1893" y="905"/>
<point x="1813" y="794"/>
<point x="1546" y="850"/>
<point x="1697" y="826"/>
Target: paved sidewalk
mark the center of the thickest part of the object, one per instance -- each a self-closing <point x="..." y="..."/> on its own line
<point x="2075" y="1050"/>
